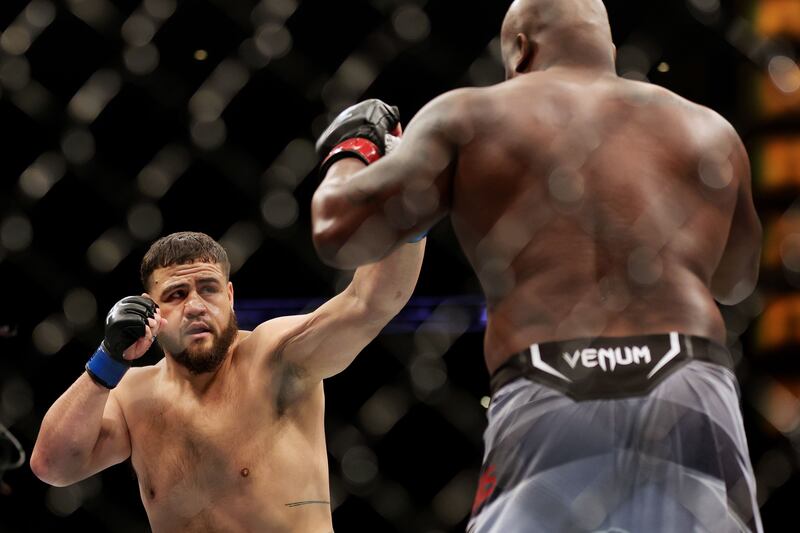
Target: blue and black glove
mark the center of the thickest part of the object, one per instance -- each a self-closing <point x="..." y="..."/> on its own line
<point x="125" y="324"/>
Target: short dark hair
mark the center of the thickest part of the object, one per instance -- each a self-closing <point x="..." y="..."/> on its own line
<point x="183" y="248"/>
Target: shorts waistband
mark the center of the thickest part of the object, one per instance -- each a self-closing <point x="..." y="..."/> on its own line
<point x="608" y="367"/>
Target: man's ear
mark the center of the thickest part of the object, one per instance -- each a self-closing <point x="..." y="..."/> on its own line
<point x="230" y="292"/>
<point x="524" y="50"/>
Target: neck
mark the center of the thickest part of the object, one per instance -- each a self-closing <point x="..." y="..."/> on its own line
<point x="582" y="48"/>
<point x="199" y="384"/>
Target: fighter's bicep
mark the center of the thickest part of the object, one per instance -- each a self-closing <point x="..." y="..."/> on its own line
<point x="113" y="443"/>
<point x="322" y="343"/>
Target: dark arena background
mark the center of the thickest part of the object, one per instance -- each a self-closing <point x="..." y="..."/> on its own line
<point x="125" y="120"/>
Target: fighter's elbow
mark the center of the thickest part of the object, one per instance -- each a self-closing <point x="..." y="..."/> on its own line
<point x="326" y="230"/>
<point x="328" y="243"/>
<point x="38" y="465"/>
<point x="57" y="465"/>
<point x="327" y="251"/>
<point x="734" y="281"/>
<point x="339" y="245"/>
<point x="42" y="467"/>
<point x="735" y="294"/>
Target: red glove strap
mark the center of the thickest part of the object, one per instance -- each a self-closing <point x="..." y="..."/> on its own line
<point x="364" y="149"/>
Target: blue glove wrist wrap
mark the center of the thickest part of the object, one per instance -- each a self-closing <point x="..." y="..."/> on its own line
<point x="104" y="369"/>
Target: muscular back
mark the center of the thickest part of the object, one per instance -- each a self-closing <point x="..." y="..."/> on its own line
<point x="592" y="205"/>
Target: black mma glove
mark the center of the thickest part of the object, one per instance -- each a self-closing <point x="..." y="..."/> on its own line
<point x="359" y="131"/>
<point x="125" y="324"/>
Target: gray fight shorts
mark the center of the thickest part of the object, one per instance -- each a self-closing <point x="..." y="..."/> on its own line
<point x="633" y="434"/>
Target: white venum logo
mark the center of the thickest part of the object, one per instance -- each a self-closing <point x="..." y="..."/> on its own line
<point x="608" y="358"/>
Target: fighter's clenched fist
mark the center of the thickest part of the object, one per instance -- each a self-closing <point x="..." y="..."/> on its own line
<point x="362" y="131"/>
<point x="132" y="325"/>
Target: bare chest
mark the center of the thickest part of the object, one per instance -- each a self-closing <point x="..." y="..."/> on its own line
<point x="229" y="462"/>
<point x="189" y="456"/>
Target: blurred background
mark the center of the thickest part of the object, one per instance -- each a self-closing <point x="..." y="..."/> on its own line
<point x="125" y="120"/>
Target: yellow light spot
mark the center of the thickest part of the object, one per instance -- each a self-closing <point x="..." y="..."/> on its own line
<point x="200" y="55"/>
<point x="663" y="67"/>
<point x="485" y="402"/>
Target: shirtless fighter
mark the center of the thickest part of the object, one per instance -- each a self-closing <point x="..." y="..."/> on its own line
<point x="226" y="432"/>
<point x="603" y="218"/>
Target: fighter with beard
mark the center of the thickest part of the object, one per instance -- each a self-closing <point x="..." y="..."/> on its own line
<point x="226" y="432"/>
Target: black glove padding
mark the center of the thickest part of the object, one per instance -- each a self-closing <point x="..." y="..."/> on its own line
<point x="370" y="120"/>
<point x="126" y="322"/>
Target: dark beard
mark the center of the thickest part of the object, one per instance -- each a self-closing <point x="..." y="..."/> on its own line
<point x="202" y="361"/>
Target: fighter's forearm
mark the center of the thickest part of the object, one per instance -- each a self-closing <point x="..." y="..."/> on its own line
<point x="350" y="227"/>
<point x="386" y="286"/>
<point x="69" y="432"/>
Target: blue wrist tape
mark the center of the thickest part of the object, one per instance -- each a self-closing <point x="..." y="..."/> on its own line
<point x="104" y="369"/>
<point x="417" y="238"/>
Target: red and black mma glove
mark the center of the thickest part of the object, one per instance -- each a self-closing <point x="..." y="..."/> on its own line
<point x="125" y="324"/>
<point x="359" y="131"/>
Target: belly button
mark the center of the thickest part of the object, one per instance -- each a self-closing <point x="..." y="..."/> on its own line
<point x="245" y="472"/>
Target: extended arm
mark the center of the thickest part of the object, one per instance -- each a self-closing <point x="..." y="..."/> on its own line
<point x="318" y="345"/>
<point x="328" y="340"/>
<point x="360" y="217"/>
